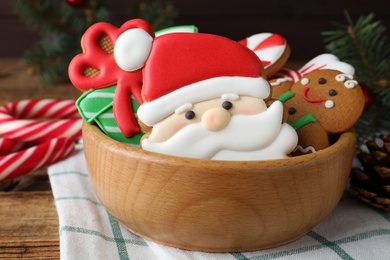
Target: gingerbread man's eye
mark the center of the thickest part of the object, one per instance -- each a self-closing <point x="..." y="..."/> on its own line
<point x="227" y="105"/>
<point x="332" y="92"/>
<point x="321" y="81"/>
<point x="189" y="115"/>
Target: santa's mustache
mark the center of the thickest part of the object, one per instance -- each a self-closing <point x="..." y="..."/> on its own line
<point x="243" y="133"/>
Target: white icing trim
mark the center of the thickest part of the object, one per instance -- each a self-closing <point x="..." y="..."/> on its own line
<point x="230" y="97"/>
<point x="280" y="80"/>
<point x="329" y="104"/>
<point x="327" y="61"/>
<point x="305" y="150"/>
<point x="152" y="112"/>
<point x="183" y="108"/>
<point x="132" y="48"/>
<point x="351" y="83"/>
<point x="341" y="77"/>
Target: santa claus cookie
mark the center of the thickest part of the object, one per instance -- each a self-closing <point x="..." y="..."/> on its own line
<point x="204" y="98"/>
<point x="323" y="102"/>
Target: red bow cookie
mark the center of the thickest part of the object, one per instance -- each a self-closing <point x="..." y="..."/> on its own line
<point x="100" y="57"/>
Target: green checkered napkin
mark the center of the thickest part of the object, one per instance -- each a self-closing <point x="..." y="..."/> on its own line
<point x="88" y="231"/>
<point x="95" y="106"/>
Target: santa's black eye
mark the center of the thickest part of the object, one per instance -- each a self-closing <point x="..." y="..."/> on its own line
<point x="321" y="81"/>
<point x="189" y="115"/>
<point x="332" y="92"/>
<point x="227" y="105"/>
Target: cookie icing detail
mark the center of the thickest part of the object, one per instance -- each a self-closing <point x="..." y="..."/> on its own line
<point x="268" y="47"/>
<point x="351" y="83"/>
<point x="279" y="81"/>
<point x="329" y="104"/>
<point x="304" y="81"/>
<point x="286" y="96"/>
<point x="305" y="97"/>
<point x="305" y="150"/>
<point x="306" y="119"/>
<point x="132" y="48"/>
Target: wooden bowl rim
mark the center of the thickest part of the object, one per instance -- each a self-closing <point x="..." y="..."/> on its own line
<point x="337" y="149"/>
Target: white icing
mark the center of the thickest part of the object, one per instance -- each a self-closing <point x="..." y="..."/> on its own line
<point x="244" y="138"/>
<point x="304" y="81"/>
<point x="152" y="112"/>
<point x="342" y="77"/>
<point x="230" y="97"/>
<point x="279" y="81"/>
<point x="132" y="48"/>
<point x="326" y="61"/>
<point x="329" y="104"/>
<point x="349" y="83"/>
<point x="306" y="150"/>
<point x="183" y="108"/>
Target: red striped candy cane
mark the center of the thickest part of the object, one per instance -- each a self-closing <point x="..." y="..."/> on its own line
<point x="40" y="120"/>
<point x="35" y="157"/>
<point x="35" y="134"/>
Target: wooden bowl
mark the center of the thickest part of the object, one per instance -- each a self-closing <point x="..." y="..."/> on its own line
<point x="216" y="206"/>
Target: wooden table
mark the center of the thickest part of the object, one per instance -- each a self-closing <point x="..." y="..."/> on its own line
<point x="28" y="217"/>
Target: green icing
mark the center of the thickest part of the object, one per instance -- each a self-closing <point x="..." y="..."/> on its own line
<point x="286" y="96"/>
<point x="306" y="119"/>
<point x="95" y="106"/>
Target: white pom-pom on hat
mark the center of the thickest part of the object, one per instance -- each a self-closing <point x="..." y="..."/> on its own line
<point x="132" y="48"/>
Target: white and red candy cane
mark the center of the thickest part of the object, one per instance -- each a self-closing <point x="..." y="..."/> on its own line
<point x="35" y="157"/>
<point x="269" y="47"/>
<point x="35" y="134"/>
<point x="38" y="120"/>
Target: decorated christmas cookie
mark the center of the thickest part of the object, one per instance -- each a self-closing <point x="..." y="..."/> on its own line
<point x="282" y="81"/>
<point x="204" y="98"/>
<point x="112" y="95"/>
<point x="323" y="102"/>
<point x="96" y="106"/>
<point x="272" y="49"/>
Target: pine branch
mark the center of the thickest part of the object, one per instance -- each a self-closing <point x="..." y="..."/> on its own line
<point x="366" y="46"/>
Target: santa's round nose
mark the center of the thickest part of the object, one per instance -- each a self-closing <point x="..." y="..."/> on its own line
<point x="215" y="119"/>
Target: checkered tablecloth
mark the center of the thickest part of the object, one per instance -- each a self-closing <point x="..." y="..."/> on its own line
<point x="88" y="231"/>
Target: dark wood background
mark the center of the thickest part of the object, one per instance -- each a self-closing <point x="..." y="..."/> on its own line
<point x="300" y="22"/>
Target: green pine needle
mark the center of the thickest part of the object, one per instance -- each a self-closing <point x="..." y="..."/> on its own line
<point x="366" y="46"/>
<point x="61" y="27"/>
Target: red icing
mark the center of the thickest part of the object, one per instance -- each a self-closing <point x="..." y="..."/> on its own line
<point x="304" y="94"/>
<point x="265" y="63"/>
<point x="272" y="41"/>
<point x="109" y="73"/>
<point x="180" y="59"/>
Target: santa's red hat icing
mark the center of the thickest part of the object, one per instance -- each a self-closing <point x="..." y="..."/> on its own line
<point x="181" y="68"/>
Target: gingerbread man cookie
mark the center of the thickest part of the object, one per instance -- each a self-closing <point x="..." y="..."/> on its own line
<point x="282" y="81"/>
<point x="323" y="102"/>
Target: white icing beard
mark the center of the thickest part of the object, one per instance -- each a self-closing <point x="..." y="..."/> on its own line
<point x="247" y="137"/>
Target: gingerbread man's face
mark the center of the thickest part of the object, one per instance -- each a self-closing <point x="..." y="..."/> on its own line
<point x="333" y="98"/>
